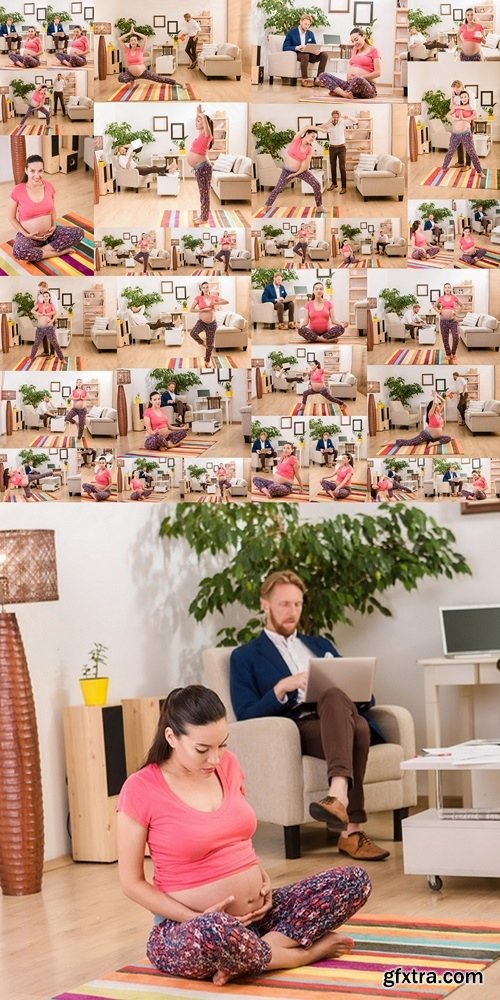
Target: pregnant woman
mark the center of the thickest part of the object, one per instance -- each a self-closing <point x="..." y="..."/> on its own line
<point x="32" y="213"/>
<point x="300" y="247"/>
<point x="321" y="323"/>
<point x="78" y="412"/>
<point x="364" y="69"/>
<point x="461" y="117"/>
<point x="284" y="474"/>
<point x="226" y="245"/>
<point x="431" y="434"/>
<point x="338" y="485"/>
<point x="316" y="376"/>
<point x="143" y="252"/>
<point x="133" y="45"/>
<point x="160" y="435"/>
<point x="204" y="304"/>
<point x="347" y="253"/>
<point x="470" y="252"/>
<point x="446" y="307"/>
<point x="101" y="490"/>
<point x="29" y="54"/>
<point x="215" y="914"/>
<point x="421" y="249"/>
<point x="36" y="101"/>
<point x="140" y="489"/>
<point x="77" y="51"/>
<point x="197" y="158"/>
<point x="297" y="161"/>
<point x="46" y="312"/>
<point x="477" y="489"/>
<point x="470" y="36"/>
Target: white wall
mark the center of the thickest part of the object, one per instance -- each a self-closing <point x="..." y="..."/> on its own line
<point x="111" y="10"/>
<point x="192" y="285"/>
<point x="341" y="24"/>
<point x="263" y="351"/>
<point x="447" y="23"/>
<point x="238" y="233"/>
<point x="406" y="282"/>
<point x="140" y="116"/>
<point x="481" y="74"/>
<point x="285" y="116"/>
<point x="379" y="373"/>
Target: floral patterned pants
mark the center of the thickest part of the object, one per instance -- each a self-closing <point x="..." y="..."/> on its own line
<point x="62" y="239"/>
<point x="50" y="334"/>
<point x="357" y="87"/>
<point x="333" y="333"/>
<point x="160" y="442"/>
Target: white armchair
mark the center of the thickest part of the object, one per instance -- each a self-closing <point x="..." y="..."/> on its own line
<point x="303" y="779"/>
<point x="395" y="327"/>
<point x="226" y="61"/>
<point x="240" y="260"/>
<point x="402" y="416"/>
<point x="284" y="64"/>
<point x="27" y="329"/>
<point x="268" y="172"/>
<point x="439" y="134"/>
<point x="143" y="332"/>
<point x="385" y="180"/>
<point x="103" y="334"/>
<point x="129" y="177"/>
<point x="263" y="312"/>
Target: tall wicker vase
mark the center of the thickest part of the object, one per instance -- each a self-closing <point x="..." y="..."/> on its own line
<point x="21" y="807"/>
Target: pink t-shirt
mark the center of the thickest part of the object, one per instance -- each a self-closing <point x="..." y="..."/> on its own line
<point x="80" y="44"/>
<point x="28" y="209"/>
<point x="435" y="419"/>
<point x="33" y="45"/>
<point x="136" y="485"/>
<point x="44" y="308"/>
<point x="296" y="152"/>
<point x="365" y="60"/>
<point x="103" y="477"/>
<point x="383" y="485"/>
<point x="16" y="477"/>
<point x="317" y="376"/>
<point x="479" y="483"/>
<point x="201" y="144"/>
<point x="206" y="301"/>
<point x="466" y="242"/>
<point x="319" y="319"/>
<point x="448" y="301"/>
<point x="157" y="419"/>
<point x="135" y="56"/>
<point x="79" y="394"/>
<point x="37" y="97"/>
<point x="286" y="467"/>
<point x="190" y="847"/>
<point x="344" y="472"/>
<point x="419" y="239"/>
<point x="467" y="32"/>
<point x="346" y="250"/>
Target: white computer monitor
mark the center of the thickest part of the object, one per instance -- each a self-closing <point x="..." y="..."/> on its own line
<point x="471" y="628"/>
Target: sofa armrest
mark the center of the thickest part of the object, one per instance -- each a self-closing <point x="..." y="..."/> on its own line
<point x="256" y="742"/>
<point x="396" y="724"/>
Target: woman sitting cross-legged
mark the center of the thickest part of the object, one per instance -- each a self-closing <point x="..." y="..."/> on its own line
<point x="470" y="252"/>
<point x="321" y="323"/>
<point x="160" y="436"/>
<point x="431" y="434"/>
<point x="317" y="385"/>
<point x="133" y="44"/>
<point x="215" y="914"/>
<point x="297" y="161"/>
<point x="139" y="488"/>
<point x="477" y="489"/>
<point x="347" y="253"/>
<point x="364" y="69"/>
<point x="421" y="249"/>
<point x="284" y="474"/>
<point x="101" y="490"/>
<point x="338" y="484"/>
<point x="32" y="213"/>
<point x="76" y="53"/>
<point x="28" y="56"/>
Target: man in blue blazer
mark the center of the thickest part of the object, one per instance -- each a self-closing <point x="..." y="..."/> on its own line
<point x="263" y="448"/>
<point x="295" y="39"/>
<point x="276" y="293"/>
<point x="56" y="27"/>
<point x="169" y="397"/>
<point x="13" y="39"/>
<point x="268" y="677"/>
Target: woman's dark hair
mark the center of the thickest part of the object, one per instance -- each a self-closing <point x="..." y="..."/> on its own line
<point x="414" y="226"/>
<point x="194" y="705"/>
<point x="349" y="456"/>
<point x="155" y="392"/>
<point x="211" y="127"/>
<point x="317" y="363"/>
<point x="133" y="36"/>
<point x="430" y="404"/>
<point x="462" y="92"/>
<point x="35" y="158"/>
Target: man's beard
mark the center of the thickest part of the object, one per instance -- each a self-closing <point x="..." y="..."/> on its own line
<point x="285" y="630"/>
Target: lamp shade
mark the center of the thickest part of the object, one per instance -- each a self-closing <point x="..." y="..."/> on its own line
<point x="28" y="569"/>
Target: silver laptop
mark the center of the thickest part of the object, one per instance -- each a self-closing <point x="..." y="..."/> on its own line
<point x="352" y="674"/>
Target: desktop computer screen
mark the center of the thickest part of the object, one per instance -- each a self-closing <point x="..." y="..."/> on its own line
<point x="472" y="629"/>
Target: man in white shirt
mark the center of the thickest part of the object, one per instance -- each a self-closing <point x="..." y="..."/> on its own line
<point x="268" y="677"/>
<point x="335" y="128"/>
<point x="137" y="316"/>
<point x="126" y="161"/>
<point x="412" y="320"/>
<point x="417" y="38"/>
<point x="46" y="410"/>
<point x="58" y="87"/>
<point x="191" y="29"/>
<point x="460" y="392"/>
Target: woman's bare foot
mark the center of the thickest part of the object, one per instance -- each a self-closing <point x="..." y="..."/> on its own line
<point x="266" y="493"/>
<point x="221" y="978"/>
<point x="332" y="945"/>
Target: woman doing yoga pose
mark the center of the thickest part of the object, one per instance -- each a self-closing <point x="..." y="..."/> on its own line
<point x="32" y="213"/>
<point x="29" y="54"/>
<point x="133" y="45"/>
<point x="77" y="51"/>
<point x="284" y="474"/>
<point x="204" y="304"/>
<point x="470" y="252"/>
<point x="364" y="69"/>
<point x="446" y="307"/>
<point x="46" y="312"/>
<point x="316" y="376"/>
<point x="103" y="482"/>
<point x="461" y="117"/>
<point x="338" y="485"/>
<point x="297" y="161"/>
<point x="470" y="35"/>
<point x="432" y="432"/>
<point x="421" y="249"/>
<point x="321" y="323"/>
<point x="198" y="159"/>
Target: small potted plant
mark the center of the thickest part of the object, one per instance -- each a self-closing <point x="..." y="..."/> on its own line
<point x="184" y="305"/>
<point x="93" y="687"/>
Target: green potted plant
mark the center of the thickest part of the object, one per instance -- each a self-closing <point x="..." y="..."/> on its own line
<point x="21" y="89"/>
<point x="349" y="232"/>
<point x="16" y="17"/>
<point x="192" y="242"/>
<point x="278" y="359"/>
<point x="402" y="545"/>
<point x="422" y="22"/>
<point x="438" y="105"/>
<point x="196" y="471"/>
<point x="31" y="396"/>
<point x="401" y="390"/>
<point x="270" y="231"/>
<point x="50" y="14"/>
<point x="263" y="276"/>
<point x="317" y="428"/>
<point x="123" y="134"/>
<point x="135" y="296"/>
<point x="258" y="428"/>
<point x="161" y="378"/>
<point x="395" y="302"/>
<point x="490" y="112"/>
<point x="125" y="24"/>
<point x="33" y="458"/>
<point x="281" y="15"/>
<point x="270" y="140"/>
<point x="181" y="145"/>
<point x="145" y="465"/>
<point x="396" y="464"/>
<point x="112" y="242"/>
<point x="427" y="208"/>
<point x="441" y="465"/>
<point x="93" y="687"/>
<point x="484" y="204"/>
<point x="25" y="304"/>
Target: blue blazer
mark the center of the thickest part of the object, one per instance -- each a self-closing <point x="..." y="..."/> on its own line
<point x="321" y="445"/>
<point x="292" y="39"/>
<point x="166" y="398"/>
<point x="258" y="446"/>
<point x="52" y="29"/>
<point x="4" y="30"/>
<point x="269" y="293"/>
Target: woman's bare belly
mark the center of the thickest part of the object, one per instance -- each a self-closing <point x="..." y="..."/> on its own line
<point x="461" y="126"/>
<point x="292" y="164"/>
<point x="137" y="69"/>
<point x="207" y="316"/>
<point x="38" y="225"/>
<point x="470" y="48"/>
<point x="447" y="314"/>
<point x="195" y="158"/>
<point x="245" y="886"/>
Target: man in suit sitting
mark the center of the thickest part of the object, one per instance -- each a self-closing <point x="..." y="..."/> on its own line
<point x="275" y="292"/>
<point x="263" y="448"/>
<point x="295" y="40"/>
<point x="169" y="397"/>
<point x="56" y="28"/>
<point x="13" y="39"/>
<point x="268" y="677"/>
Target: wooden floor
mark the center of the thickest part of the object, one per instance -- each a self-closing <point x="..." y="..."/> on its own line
<point x="81" y="925"/>
<point x="64" y="124"/>
<point x="226" y="443"/>
<point x="279" y="93"/>
<point x="214" y="89"/>
<point x="280" y="404"/>
<point x="473" y="445"/>
<point x="82" y="347"/>
<point x="74" y="193"/>
<point x="382" y="352"/>
<point x="425" y="163"/>
<point x="155" y="354"/>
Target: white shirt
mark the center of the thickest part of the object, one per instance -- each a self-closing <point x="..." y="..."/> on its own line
<point x="58" y="86"/>
<point x="410" y="317"/>
<point x="137" y="318"/>
<point x="459" y="386"/>
<point x="123" y="161"/>
<point x="295" y="654"/>
<point x="336" y="133"/>
<point x="42" y="408"/>
<point x="302" y="36"/>
<point x="417" y="39"/>
<point x="190" y="28"/>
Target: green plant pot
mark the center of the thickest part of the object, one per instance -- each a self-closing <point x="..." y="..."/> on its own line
<point x="94" y="690"/>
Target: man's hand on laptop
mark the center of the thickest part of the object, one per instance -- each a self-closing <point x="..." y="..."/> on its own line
<point x="288" y="684"/>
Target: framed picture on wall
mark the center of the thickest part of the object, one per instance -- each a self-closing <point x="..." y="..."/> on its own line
<point x="299" y="427"/>
<point x="159" y="21"/>
<point x="160" y="123"/>
<point x="303" y="122"/>
<point x="56" y="292"/>
<point x="345" y="421"/>
<point x="473" y="90"/>
<point x="428" y="378"/>
<point x="301" y="352"/>
<point x="126" y="236"/>
<point x="363" y="13"/>
<point x="134" y="239"/>
<point x="286" y="423"/>
<point x="422" y="291"/>
<point x="371" y="230"/>
<point x="67" y="299"/>
<point x="180" y="293"/>
<point x="170" y="462"/>
<point x="476" y="463"/>
<point x="38" y="80"/>
<point x="486" y="98"/>
<point x="311" y="356"/>
<point x="172" y="27"/>
<point x="440" y="385"/>
<point x="434" y="294"/>
<point x="77" y="7"/>
<point x="357" y="425"/>
<point x="206" y="236"/>
<point x="445" y="9"/>
<point x="339" y="6"/>
<point x="88" y="13"/>
<point x="63" y="453"/>
<point x="29" y="8"/>
<point x="363" y="225"/>
<point x="458" y="14"/>
<point x="55" y="387"/>
<point x="177" y="130"/>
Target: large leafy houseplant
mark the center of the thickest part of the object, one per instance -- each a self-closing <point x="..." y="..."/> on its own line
<point x="401" y="390"/>
<point x="441" y="465"/>
<point x="112" y="242"/>
<point x="125" y="24"/>
<point x="50" y="14"/>
<point x="438" y="105"/>
<point x="484" y="204"/>
<point x="422" y="22"/>
<point x="21" y="89"/>
<point x="270" y="231"/>
<point x="395" y="464"/>
<point x="33" y="458"/>
<point x="427" y="208"/>
<point x="25" y="303"/>
<point x="123" y="134"/>
<point x="145" y="465"/>
<point x="349" y="232"/>
<point x="263" y="276"/>
<point x="135" y="296"/>
<point x="32" y="396"/>
<point x="281" y="15"/>
<point x="269" y="139"/>
<point x="402" y="545"/>
<point x="317" y="428"/>
<point x="395" y="302"/>
<point x="278" y="359"/>
<point x="191" y="242"/>
<point x="16" y="17"/>
<point x="161" y="378"/>
<point x="258" y="428"/>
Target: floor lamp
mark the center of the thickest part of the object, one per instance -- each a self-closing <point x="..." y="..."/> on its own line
<point x="28" y="575"/>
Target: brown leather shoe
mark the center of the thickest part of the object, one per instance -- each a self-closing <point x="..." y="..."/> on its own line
<point x="330" y="809"/>
<point x="361" y="848"/>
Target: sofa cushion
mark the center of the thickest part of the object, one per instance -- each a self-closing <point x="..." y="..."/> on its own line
<point x="349" y="379"/>
<point x="367" y="161"/>
<point x="335" y="377"/>
<point x="94" y="413"/>
<point x="234" y="320"/>
<point x="470" y="319"/>
<point x="72" y="102"/>
<point x="491" y="406"/>
<point x="243" y="166"/>
<point x="101" y="322"/>
<point x="224" y="163"/>
<point x="390" y="163"/>
<point x="488" y="322"/>
<point x="211" y="49"/>
<point x="85" y="102"/>
<point x="228" y="49"/>
<point x="492" y="40"/>
<point x="108" y="413"/>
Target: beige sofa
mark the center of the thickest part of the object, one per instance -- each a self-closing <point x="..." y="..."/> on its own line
<point x="159" y="260"/>
<point x="226" y="61"/>
<point x="319" y="250"/>
<point x="102" y="421"/>
<point x="343" y="386"/>
<point x="402" y="416"/>
<point x="361" y="316"/>
<point x="397" y="249"/>
<point x="395" y="327"/>
<point x="484" y="332"/>
<point x="80" y="109"/>
<point x="483" y="417"/>
<point x="231" y="332"/>
<point x="267" y="747"/>
<point x="232" y="178"/>
<point x="240" y="260"/>
<point x="387" y="181"/>
<point x="103" y="334"/>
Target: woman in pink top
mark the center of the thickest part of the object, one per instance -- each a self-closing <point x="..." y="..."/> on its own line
<point x="338" y="485"/>
<point x="300" y="248"/>
<point x="160" y="436"/>
<point x="133" y="45"/>
<point x="321" y="322"/>
<point x="446" y="307"/>
<point x="364" y="69"/>
<point x="421" y="249"/>
<point x="297" y="160"/>
<point x="431" y="434"/>
<point x="461" y="117"/>
<point x="45" y="312"/>
<point x="478" y="489"/>
<point x="317" y="386"/>
<point x="223" y="480"/>
<point x="470" y="37"/>
<point x="198" y="159"/>
<point x="138" y="487"/>
<point x="204" y="304"/>
<point x="284" y="474"/>
<point x="470" y="252"/>
<point x="143" y="252"/>
<point x="383" y="489"/>
<point x="347" y="254"/>
<point x="78" y="412"/>
<point x="103" y="482"/>
<point x="20" y="479"/>
<point x="215" y="913"/>
<point x="76" y="52"/>
<point x="29" y="54"/>
<point x="36" y="101"/>
<point x="32" y="213"/>
<point x="226" y="245"/>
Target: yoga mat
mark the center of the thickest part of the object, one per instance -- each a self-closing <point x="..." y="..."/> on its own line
<point x="294" y="212"/>
<point x="443" y="259"/>
<point x="59" y="441"/>
<point x="325" y="409"/>
<point x="111" y="499"/>
<point x="51" y="364"/>
<point x="78" y="261"/>
<point x="36" y="496"/>
<point x="382" y="943"/>
<point x="363" y="262"/>
<point x="424" y="356"/>
<point x="490" y="261"/>
<point x="358" y="494"/>
<point x="297" y="495"/>
<point x="222" y="218"/>
<point x="147" y="90"/>
<point x="37" y="127"/>
<point x="391" y="448"/>
<point x="216" y="361"/>
<point x="455" y="178"/>
<point x="189" y="448"/>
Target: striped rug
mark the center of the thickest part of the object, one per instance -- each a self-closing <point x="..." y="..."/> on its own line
<point x="490" y="261"/>
<point x="59" y="441"/>
<point x="325" y="409"/>
<point x="36" y="497"/>
<point x="391" y="448"/>
<point x="37" y="127"/>
<point x="358" y="494"/>
<point x="189" y="448"/>
<point x="363" y="262"/>
<point x="207" y="272"/>
<point x="78" y="261"/>
<point x="294" y="212"/>
<point x="50" y="365"/>
<point x="297" y="495"/>
<point x="382" y="944"/>
<point x="443" y="259"/>
<point x="147" y="90"/>
<point x="222" y="218"/>
<point x="424" y="356"/>
<point x="455" y="178"/>
<point x="217" y="361"/>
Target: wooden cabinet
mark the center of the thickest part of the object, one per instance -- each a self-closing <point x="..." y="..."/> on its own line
<point x="358" y="289"/>
<point x="93" y="305"/>
<point x="221" y="135"/>
<point x="472" y="379"/>
<point x="464" y="290"/>
<point x="400" y="43"/>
